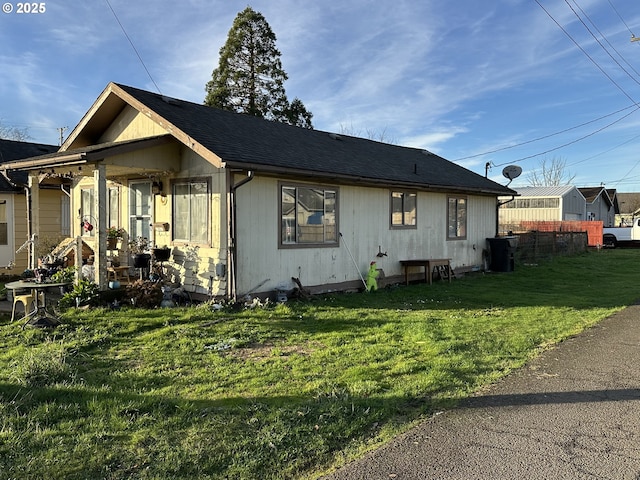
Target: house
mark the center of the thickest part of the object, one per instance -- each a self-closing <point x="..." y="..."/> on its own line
<point x="17" y="220"/>
<point x="246" y="204"/>
<point x="600" y="206"/>
<point x="556" y="203"/>
<point x="629" y="208"/>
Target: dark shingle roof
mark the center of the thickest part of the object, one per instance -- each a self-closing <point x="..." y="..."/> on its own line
<point x="591" y="194"/>
<point x="13" y="150"/>
<point x="249" y="142"/>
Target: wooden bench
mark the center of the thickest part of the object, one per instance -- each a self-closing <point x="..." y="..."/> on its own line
<point x="440" y="265"/>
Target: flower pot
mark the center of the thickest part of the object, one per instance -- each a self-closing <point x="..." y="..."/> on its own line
<point x="141" y="260"/>
<point x="112" y="242"/>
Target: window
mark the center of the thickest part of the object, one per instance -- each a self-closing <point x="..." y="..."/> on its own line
<point x="457" y="218"/>
<point x="87" y="210"/>
<point x="191" y="211"/>
<point x="532" y="203"/>
<point x="403" y="209"/>
<point x="113" y="209"/>
<point x="308" y="215"/>
<point x="140" y="210"/>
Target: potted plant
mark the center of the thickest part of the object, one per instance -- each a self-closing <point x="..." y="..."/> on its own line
<point x="113" y="235"/>
<point x="139" y="250"/>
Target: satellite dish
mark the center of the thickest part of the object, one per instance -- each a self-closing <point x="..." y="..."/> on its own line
<point x="511" y="171"/>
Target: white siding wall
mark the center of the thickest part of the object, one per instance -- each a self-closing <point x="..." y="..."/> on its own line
<point x="574" y="206"/>
<point x="363" y="216"/>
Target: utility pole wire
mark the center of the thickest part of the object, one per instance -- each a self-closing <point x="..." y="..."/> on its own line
<point x="133" y="46"/>
<point x="586" y="53"/>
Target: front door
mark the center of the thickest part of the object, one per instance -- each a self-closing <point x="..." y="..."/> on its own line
<point x="140" y="209"/>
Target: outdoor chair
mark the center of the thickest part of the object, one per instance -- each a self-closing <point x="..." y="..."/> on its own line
<point x="27" y="300"/>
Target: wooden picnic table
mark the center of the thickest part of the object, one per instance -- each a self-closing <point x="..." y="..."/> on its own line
<point x="441" y="265"/>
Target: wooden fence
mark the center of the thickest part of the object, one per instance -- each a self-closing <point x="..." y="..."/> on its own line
<point x="593" y="229"/>
<point x="537" y="245"/>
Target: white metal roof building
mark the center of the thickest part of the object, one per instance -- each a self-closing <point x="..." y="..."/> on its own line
<point x="556" y="203"/>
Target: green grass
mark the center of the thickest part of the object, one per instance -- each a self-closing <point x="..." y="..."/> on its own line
<point x="282" y="392"/>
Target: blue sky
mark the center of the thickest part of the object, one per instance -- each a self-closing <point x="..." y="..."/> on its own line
<point x="505" y="81"/>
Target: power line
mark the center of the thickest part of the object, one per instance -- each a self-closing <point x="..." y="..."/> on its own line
<point x="571" y="142"/>
<point x="585" y="52"/>
<point x="620" y="17"/>
<point x="608" y="43"/>
<point x="133" y="46"/>
<point x="544" y="137"/>
<point x="599" y="42"/>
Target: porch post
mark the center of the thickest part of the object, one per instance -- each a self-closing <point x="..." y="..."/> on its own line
<point x="100" y="261"/>
<point x="33" y="229"/>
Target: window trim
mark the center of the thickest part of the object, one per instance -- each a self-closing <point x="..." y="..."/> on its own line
<point x="403" y="226"/>
<point x="466" y="216"/>
<point x="183" y="181"/>
<point x="296" y="244"/>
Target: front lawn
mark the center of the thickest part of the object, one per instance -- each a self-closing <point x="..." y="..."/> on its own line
<point x="286" y="391"/>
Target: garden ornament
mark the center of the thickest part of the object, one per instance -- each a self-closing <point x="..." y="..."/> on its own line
<point x="373" y="273"/>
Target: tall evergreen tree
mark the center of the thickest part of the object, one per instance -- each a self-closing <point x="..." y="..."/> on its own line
<point x="249" y="78"/>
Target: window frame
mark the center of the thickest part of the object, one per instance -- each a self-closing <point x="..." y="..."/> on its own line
<point x="457" y="199"/>
<point x="282" y="185"/>
<point x="189" y="181"/>
<point x="404" y="225"/>
<point x="87" y="209"/>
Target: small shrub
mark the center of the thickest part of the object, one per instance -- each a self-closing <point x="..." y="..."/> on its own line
<point x="85" y="292"/>
<point x="65" y="275"/>
<point x="144" y="294"/>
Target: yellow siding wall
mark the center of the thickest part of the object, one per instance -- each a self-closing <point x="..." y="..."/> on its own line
<point x="190" y="265"/>
<point x="21" y="232"/>
<point x="50" y="212"/>
<point x="130" y="125"/>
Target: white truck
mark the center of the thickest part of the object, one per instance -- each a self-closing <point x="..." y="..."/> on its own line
<point x="622" y="236"/>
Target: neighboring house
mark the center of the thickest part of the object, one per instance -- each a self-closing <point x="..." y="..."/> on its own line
<point x="629" y="208"/>
<point x="557" y="203"/>
<point x="18" y="223"/>
<point x="600" y="207"/>
<point x="247" y="204"/>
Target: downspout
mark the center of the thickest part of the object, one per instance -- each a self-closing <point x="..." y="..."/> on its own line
<point x="233" y="252"/>
<point x="499" y="204"/>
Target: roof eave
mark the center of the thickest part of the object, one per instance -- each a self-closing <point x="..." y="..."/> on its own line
<point x="271" y="170"/>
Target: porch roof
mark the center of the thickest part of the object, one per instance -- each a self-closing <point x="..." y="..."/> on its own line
<point x="92" y="154"/>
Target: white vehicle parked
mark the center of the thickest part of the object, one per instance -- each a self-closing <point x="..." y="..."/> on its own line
<point x="622" y="236"/>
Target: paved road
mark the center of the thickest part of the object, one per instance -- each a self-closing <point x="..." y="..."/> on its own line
<point x="572" y="413"/>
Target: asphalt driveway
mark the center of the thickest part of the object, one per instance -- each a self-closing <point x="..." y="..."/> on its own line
<point x="572" y="413"/>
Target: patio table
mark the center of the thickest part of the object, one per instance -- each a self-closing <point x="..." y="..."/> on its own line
<point x="39" y="316"/>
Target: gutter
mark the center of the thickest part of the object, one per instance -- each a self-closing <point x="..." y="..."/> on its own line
<point x="318" y="175"/>
<point x="498" y="205"/>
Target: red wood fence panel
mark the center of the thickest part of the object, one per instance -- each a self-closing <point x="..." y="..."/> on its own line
<point x="593" y="228"/>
